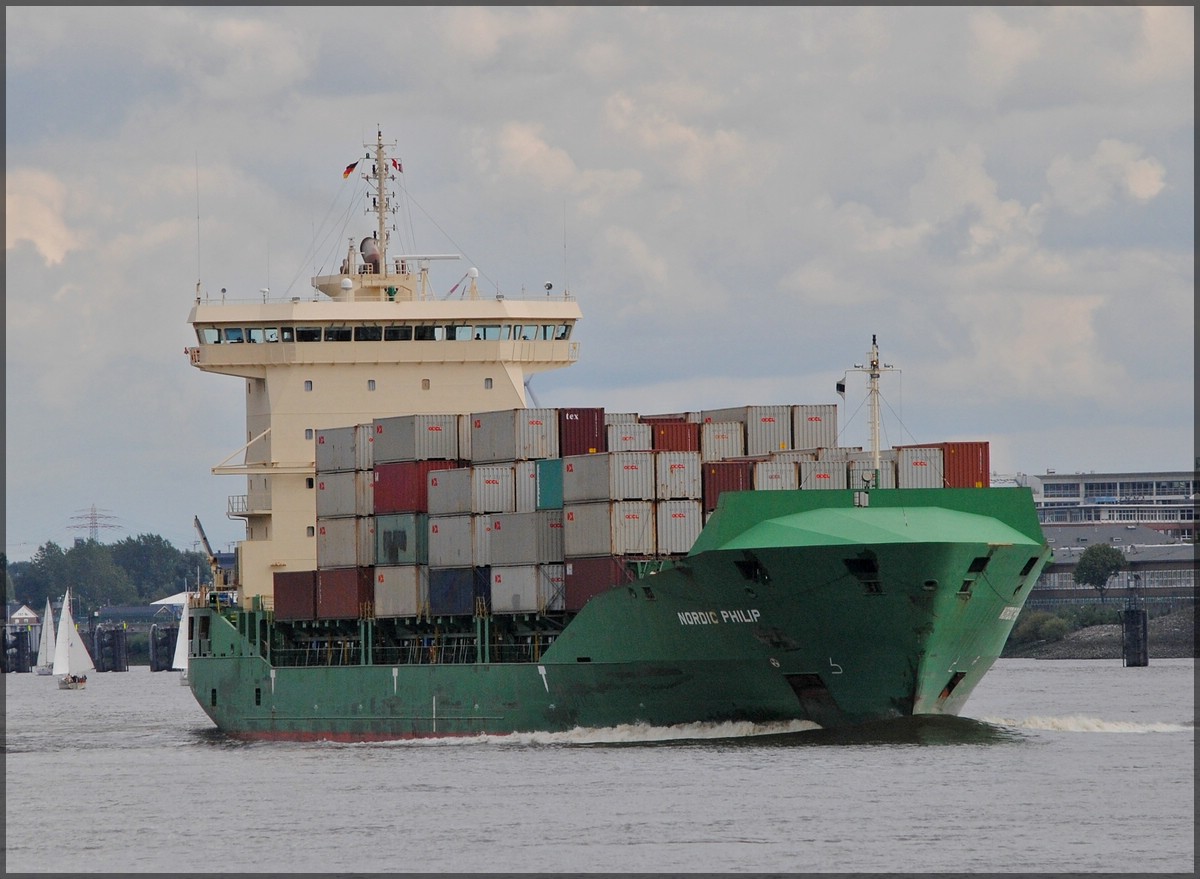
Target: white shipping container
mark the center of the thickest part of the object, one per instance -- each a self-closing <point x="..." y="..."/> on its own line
<point x="526" y="538"/>
<point x="768" y="428"/>
<point x="620" y="418"/>
<point x="493" y="489"/>
<point x="608" y="476"/>
<point x="459" y="541"/>
<point x="608" y="528"/>
<point x="858" y="469"/>
<point x="920" y="468"/>
<point x="334" y="449"/>
<point x="449" y="491"/>
<point x="345" y="542"/>
<point x="625" y="436"/>
<point x="822" y="474"/>
<point x="776" y="475"/>
<point x="814" y="425"/>
<point x="401" y="591"/>
<point x="415" y="438"/>
<point x="514" y="588"/>
<point x="513" y="435"/>
<point x="678" y="475"/>
<point x="678" y="523"/>
<point x="525" y="486"/>
<point x="722" y="439"/>
<point x="345" y="493"/>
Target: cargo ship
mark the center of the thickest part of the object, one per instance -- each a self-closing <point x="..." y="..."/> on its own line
<point x="428" y="555"/>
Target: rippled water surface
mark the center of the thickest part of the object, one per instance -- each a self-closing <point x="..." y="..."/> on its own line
<point x="1058" y="766"/>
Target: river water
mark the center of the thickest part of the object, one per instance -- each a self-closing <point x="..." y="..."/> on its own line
<point x="1057" y="766"/>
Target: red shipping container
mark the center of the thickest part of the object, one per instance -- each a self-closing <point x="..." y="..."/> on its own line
<point x="581" y="432"/>
<point x="344" y="593"/>
<point x="965" y="464"/>
<point x="676" y="436"/>
<point x="722" y="476"/>
<point x="402" y="487"/>
<point x="295" y="595"/>
<point x="588" y="577"/>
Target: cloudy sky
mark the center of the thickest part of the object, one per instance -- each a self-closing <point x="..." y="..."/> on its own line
<point x="738" y="198"/>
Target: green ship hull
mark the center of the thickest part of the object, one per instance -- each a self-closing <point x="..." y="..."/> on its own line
<point x="792" y="606"/>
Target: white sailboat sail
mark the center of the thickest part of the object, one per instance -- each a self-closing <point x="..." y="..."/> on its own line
<point x="45" y="660"/>
<point x="181" y="642"/>
<point x="71" y="655"/>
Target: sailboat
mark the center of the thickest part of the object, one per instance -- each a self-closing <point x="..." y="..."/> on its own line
<point x="71" y="657"/>
<point x="179" y="661"/>
<point x="45" y="664"/>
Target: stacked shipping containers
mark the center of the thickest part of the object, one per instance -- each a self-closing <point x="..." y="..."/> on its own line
<point x="531" y="510"/>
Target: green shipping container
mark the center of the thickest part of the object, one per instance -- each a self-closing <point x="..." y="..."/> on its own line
<point x="550" y="484"/>
<point x="402" y="539"/>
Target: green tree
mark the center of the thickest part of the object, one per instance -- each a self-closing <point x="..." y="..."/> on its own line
<point x="153" y="565"/>
<point x="95" y="580"/>
<point x="1097" y="564"/>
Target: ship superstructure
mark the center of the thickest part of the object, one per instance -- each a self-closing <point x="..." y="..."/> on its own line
<point x="372" y="340"/>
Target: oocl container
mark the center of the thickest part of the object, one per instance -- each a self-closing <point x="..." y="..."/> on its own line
<point x="677" y="525"/>
<point x="814" y="425"/>
<point x="629" y="437"/>
<point x="722" y="439"/>
<point x="526" y="538"/>
<point x="514" y="434"/>
<point x="608" y="528"/>
<point x="822" y="474"/>
<point x="611" y="476"/>
<point x="677" y="475"/>
<point x="768" y="428"/>
<point x="776" y="475"/>
<point x="919" y="468"/>
<point x="415" y="438"/>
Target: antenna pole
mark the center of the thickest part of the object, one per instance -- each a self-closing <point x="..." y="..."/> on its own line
<point x="873" y="368"/>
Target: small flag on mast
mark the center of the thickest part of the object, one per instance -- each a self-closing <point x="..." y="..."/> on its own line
<point x="349" y="170"/>
<point x="397" y="166"/>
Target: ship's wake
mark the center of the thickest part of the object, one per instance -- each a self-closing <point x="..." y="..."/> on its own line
<point x="1083" y="724"/>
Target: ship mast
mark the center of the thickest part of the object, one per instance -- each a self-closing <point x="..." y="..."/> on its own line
<point x="873" y="368"/>
<point x="381" y="201"/>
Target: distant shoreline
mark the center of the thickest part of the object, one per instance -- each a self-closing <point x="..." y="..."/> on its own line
<point x="1171" y="636"/>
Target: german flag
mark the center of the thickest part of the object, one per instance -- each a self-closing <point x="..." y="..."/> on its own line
<point x="349" y="170"/>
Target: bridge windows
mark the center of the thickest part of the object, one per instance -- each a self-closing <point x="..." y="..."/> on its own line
<point x="399" y="332"/>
